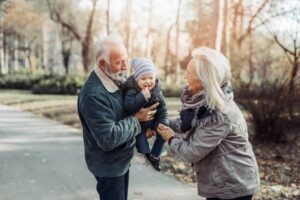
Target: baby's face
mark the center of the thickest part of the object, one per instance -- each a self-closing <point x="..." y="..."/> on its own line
<point x="147" y="80"/>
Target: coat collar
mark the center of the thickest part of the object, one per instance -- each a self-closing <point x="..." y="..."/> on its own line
<point x="109" y="85"/>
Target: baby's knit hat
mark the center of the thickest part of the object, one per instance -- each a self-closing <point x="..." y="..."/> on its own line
<point x="142" y="66"/>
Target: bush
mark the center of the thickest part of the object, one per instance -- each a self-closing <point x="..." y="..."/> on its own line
<point x="42" y="82"/>
<point x="59" y="85"/>
<point x="268" y="105"/>
<point x="172" y="91"/>
<point x="23" y="80"/>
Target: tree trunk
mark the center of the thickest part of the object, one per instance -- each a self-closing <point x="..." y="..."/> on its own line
<point x="177" y="43"/>
<point x="107" y="17"/>
<point x="46" y="38"/>
<point x="214" y="24"/>
<point x="227" y="28"/>
<point x="167" y="57"/>
<point x="241" y="21"/>
<point x="6" y="53"/>
<point x="220" y="24"/>
<point x="148" y="46"/>
<point x="16" y="53"/>
<point x="27" y="52"/>
<point x="128" y="23"/>
<point x="2" y="67"/>
<point x="87" y="41"/>
<point x="66" y="47"/>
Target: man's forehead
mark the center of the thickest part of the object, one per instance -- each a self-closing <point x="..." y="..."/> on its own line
<point x="117" y="50"/>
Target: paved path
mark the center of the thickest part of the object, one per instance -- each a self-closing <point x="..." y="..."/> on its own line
<point x="41" y="159"/>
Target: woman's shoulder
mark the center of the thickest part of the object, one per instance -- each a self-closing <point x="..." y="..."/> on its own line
<point x="233" y="112"/>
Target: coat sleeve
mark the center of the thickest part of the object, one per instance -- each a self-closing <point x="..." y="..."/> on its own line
<point x="133" y="101"/>
<point x="162" y="112"/>
<point x="175" y="125"/>
<point x="202" y="142"/>
<point x="100" y="120"/>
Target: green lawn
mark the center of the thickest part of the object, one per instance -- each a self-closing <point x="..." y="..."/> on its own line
<point x="58" y="107"/>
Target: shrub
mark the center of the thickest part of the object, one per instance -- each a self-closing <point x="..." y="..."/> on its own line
<point x="59" y="85"/>
<point x="268" y="105"/>
<point x="22" y="79"/>
<point x="171" y="91"/>
<point x="42" y="82"/>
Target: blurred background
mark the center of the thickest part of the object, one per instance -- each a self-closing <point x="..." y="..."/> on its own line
<point x="47" y="50"/>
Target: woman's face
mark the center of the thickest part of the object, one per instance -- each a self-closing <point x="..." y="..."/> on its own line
<point x="194" y="83"/>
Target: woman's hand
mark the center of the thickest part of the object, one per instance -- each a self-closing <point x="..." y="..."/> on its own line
<point x="165" y="132"/>
<point x="150" y="133"/>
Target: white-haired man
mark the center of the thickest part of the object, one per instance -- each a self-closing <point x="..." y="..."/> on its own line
<point x="108" y="132"/>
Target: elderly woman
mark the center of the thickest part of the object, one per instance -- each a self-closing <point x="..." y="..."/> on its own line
<point x="216" y="140"/>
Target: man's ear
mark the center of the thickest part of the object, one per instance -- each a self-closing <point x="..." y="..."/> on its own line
<point x="101" y="64"/>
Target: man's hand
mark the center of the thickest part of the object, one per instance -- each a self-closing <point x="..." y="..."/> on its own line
<point x="146" y="93"/>
<point x="165" y="132"/>
<point x="146" y="114"/>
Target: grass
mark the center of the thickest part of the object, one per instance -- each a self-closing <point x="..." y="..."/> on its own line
<point x="62" y="108"/>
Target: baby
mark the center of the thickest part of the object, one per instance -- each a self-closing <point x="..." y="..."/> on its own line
<point x="142" y="90"/>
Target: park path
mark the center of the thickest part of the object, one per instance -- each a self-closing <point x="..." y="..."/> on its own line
<point x="41" y="159"/>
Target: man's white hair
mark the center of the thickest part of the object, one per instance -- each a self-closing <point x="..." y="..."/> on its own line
<point x="213" y="69"/>
<point x="103" y="46"/>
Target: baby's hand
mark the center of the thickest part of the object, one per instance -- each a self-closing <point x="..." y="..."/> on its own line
<point x="146" y="93"/>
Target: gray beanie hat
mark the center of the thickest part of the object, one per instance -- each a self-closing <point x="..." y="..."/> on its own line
<point x="142" y="66"/>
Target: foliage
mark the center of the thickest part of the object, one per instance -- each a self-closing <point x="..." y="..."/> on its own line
<point x="22" y="79"/>
<point x="268" y="104"/>
<point x="42" y="82"/>
<point x="171" y="91"/>
<point x="70" y="84"/>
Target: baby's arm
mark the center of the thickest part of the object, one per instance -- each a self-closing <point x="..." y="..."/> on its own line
<point x="134" y="101"/>
<point x="162" y="112"/>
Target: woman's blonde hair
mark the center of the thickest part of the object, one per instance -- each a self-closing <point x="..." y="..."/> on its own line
<point x="214" y="71"/>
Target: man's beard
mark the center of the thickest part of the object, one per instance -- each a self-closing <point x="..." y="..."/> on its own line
<point x="119" y="77"/>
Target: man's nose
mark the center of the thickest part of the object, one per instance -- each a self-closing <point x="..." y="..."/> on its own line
<point x="124" y="66"/>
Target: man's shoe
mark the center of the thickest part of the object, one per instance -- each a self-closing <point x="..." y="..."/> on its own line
<point x="154" y="162"/>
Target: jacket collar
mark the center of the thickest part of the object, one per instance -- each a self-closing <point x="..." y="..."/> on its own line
<point x="109" y="85"/>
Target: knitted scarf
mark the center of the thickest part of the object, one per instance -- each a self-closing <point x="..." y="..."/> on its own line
<point x="204" y="115"/>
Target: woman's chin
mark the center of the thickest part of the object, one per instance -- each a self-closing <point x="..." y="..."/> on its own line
<point x="190" y="90"/>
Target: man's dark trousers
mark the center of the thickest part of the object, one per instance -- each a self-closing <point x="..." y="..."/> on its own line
<point x="113" y="188"/>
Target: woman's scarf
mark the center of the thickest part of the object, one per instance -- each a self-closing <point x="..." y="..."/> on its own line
<point x="204" y="115"/>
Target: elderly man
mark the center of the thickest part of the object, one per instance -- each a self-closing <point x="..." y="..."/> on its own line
<point x="108" y="132"/>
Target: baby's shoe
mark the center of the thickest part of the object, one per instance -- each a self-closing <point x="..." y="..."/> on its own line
<point x="154" y="162"/>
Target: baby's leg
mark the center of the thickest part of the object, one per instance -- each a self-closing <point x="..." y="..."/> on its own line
<point x="157" y="146"/>
<point x="142" y="144"/>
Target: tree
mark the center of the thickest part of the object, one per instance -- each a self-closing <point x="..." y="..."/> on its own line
<point x="22" y="32"/>
<point x="84" y="39"/>
<point x="217" y="24"/>
<point x="177" y="42"/>
<point x="107" y="17"/>
<point x="149" y="31"/>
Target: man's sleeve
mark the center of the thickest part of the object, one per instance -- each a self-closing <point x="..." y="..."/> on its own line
<point x="162" y="112"/>
<point x="108" y="133"/>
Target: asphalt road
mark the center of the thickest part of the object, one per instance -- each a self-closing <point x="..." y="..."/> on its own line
<point x="41" y="159"/>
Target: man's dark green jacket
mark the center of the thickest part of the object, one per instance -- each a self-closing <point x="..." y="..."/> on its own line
<point x="108" y="133"/>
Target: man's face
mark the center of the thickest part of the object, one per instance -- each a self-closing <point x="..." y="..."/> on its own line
<point x="117" y="67"/>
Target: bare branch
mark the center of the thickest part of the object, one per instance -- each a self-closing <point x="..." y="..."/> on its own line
<point x="282" y="46"/>
<point x="55" y="16"/>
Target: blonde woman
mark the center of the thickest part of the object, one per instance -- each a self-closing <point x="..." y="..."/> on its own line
<point x="216" y="139"/>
